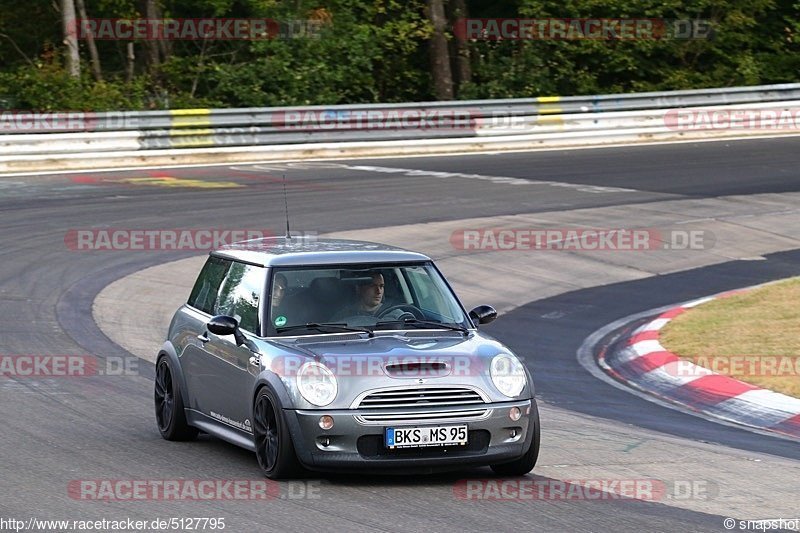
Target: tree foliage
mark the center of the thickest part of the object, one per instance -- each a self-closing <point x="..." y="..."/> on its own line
<point x="380" y="51"/>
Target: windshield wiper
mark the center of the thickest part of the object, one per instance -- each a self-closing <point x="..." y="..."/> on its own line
<point x="420" y="322"/>
<point x="324" y="327"/>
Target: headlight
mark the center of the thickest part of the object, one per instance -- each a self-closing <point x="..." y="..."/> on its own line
<point x="316" y="383"/>
<point x="508" y="375"/>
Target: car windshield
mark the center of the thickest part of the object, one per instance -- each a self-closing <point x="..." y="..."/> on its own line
<point x="313" y="301"/>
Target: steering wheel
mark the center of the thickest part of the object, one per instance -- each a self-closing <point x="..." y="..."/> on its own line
<point x="409" y="309"/>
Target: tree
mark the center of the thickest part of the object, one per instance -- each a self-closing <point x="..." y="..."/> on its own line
<point x="439" y="52"/>
<point x="155" y="48"/>
<point x="69" y="26"/>
<point x="90" y="44"/>
<point x="463" y="67"/>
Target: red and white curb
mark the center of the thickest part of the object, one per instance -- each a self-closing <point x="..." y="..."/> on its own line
<point x="642" y="362"/>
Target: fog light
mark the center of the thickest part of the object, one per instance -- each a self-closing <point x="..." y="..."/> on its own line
<point x="514" y="413"/>
<point x="512" y="433"/>
<point x="326" y="421"/>
<point x="326" y="442"/>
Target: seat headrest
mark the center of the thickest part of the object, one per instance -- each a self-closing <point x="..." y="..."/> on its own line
<point x="326" y="284"/>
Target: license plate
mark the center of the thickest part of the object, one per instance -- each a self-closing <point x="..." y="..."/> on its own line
<point x="418" y="437"/>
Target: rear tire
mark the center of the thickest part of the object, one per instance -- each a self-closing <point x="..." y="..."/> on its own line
<point x="170" y="416"/>
<point x="524" y="464"/>
<point x="274" y="448"/>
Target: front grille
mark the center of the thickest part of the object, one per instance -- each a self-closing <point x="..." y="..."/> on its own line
<point x="421" y="397"/>
<point x="463" y="415"/>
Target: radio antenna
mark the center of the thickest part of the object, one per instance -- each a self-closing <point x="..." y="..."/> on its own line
<point x="286" y="208"/>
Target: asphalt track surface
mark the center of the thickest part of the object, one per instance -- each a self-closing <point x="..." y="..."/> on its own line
<point x="57" y="430"/>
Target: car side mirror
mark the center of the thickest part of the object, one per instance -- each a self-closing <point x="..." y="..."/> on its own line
<point x="483" y="314"/>
<point x="226" y="325"/>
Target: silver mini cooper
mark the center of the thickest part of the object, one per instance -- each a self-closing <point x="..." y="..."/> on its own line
<point x="342" y="355"/>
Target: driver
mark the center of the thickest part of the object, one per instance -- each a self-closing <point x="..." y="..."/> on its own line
<point x="369" y="296"/>
<point x="369" y="300"/>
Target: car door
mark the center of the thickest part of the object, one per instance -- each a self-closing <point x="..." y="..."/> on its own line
<point x="194" y="316"/>
<point x="230" y="374"/>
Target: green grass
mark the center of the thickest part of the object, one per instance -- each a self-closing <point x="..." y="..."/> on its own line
<point x="762" y="324"/>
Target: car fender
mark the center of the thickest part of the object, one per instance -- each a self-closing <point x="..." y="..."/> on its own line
<point x="531" y="429"/>
<point x="267" y="378"/>
<point x="529" y="376"/>
<point x="168" y="350"/>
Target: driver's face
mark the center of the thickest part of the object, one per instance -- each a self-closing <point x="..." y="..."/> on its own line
<point x="371" y="295"/>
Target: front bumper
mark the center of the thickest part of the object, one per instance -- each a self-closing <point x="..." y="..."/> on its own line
<point x="356" y="443"/>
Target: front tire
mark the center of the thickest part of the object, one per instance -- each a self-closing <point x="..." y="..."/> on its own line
<point x="274" y="448"/>
<point x="524" y="464"/>
<point x="170" y="416"/>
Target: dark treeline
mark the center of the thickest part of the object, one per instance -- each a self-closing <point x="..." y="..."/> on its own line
<point x="377" y="51"/>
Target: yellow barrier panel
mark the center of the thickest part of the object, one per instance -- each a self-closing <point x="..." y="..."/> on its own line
<point x="197" y="133"/>
<point x="190" y="118"/>
<point x="552" y="120"/>
<point x="549" y="110"/>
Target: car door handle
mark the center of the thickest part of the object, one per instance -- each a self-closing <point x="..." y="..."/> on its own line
<point x="203" y="337"/>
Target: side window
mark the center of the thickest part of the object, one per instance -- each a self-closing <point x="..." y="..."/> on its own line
<point x="204" y="293"/>
<point x="240" y="293"/>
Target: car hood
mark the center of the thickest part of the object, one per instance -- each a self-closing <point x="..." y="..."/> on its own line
<point x="393" y="360"/>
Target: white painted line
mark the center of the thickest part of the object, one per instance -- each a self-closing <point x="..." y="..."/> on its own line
<point x="701" y="301"/>
<point x="493" y="179"/>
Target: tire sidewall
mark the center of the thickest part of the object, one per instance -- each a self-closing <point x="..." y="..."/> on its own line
<point x="177" y="429"/>
<point x="286" y="464"/>
<point x="170" y="429"/>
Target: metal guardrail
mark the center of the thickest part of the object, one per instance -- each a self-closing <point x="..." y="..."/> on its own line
<point x="536" y="120"/>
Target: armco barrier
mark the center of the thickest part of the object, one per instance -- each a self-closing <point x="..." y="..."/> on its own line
<point x="229" y="135"/>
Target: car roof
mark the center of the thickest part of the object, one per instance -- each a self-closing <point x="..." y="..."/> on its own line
<point x="310" y="250"/>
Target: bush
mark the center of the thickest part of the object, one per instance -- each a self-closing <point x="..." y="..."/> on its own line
<point x="48" y="87"/>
